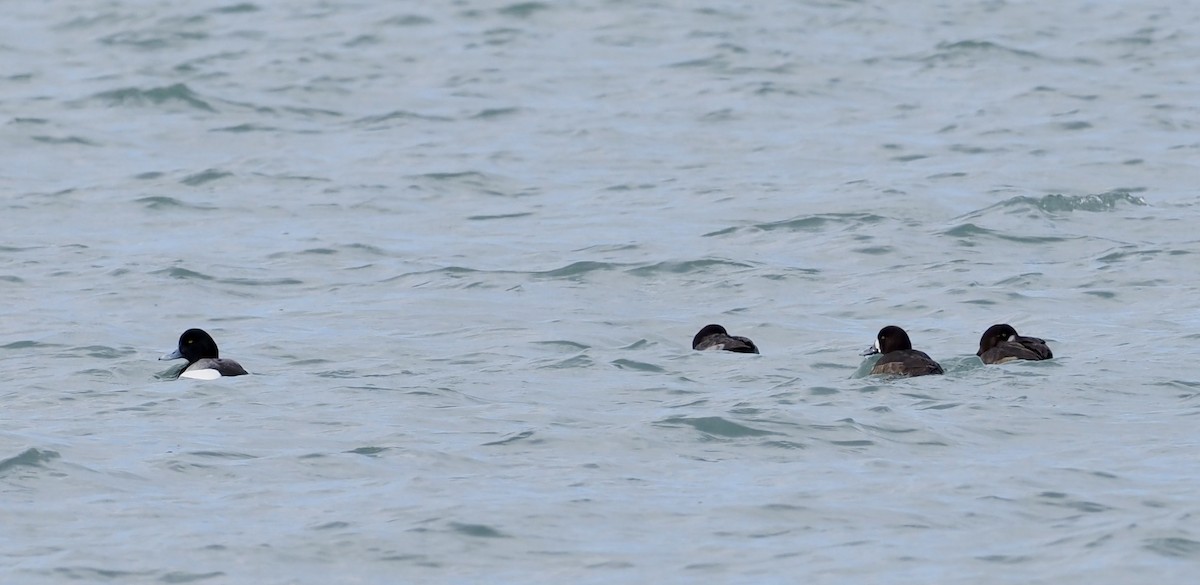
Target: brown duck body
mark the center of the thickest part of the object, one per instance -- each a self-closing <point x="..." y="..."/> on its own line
<point x="716" y="337"/>
<point x="906" y="362"/>
<point x="1000" y="344"/>
<point x="899" y="358"/>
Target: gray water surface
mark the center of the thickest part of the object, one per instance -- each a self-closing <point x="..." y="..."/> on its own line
<point x="463" y="248"/>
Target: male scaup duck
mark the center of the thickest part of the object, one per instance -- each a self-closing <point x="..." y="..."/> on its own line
<point x="199" y="349"/>
<point x="899" y="358"/>
<point x="1000" y="343"/>
<point x="716" y="337"/>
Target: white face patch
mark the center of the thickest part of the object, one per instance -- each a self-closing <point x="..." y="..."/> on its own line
<point x="1012" y="337"/>
<point x="208" y="374"/>
<point x="877" y="348"/>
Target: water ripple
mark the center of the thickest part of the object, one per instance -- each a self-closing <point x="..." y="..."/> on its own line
<point x="477" y="530"/>
<point x="969" y="233"/>
<point x="626" y="364"/>
<point x="824" y="222"/>
<point x="687" y="266"/>
<point x="31" y="457"/>
<point x="399" y="116"/>
<point x="1176" y="547"/>
<point x="715" y="426"/>
<point x="1058" y="203"/>
<point x="510" y="439"/>
<point x="169" y="95"/>
<point x="575" y="271"/>
<point x="160" y="202"/>
<point x="972" y="51"/>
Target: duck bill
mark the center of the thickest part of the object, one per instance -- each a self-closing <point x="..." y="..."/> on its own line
<point x="874" y="349"/>
<point x="175" y="355"/>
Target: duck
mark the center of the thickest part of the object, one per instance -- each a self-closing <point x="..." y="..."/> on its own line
<point x="899" y="358"/>
<point x="1000" y="344"/>
<point x="204" y="361"/>
<point x="714" y="336"/>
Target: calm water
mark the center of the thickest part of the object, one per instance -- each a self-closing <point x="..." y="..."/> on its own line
<point x="464" y="247"/>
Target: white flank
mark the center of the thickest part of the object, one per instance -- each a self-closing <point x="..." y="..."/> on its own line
<point x="208" y="374"/>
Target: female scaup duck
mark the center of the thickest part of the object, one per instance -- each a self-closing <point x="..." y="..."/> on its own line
<point x="1000" y="343"/>
<point x="199" y="349"/>
<point x="899" y="358"/>
<point x="716" y="337"/>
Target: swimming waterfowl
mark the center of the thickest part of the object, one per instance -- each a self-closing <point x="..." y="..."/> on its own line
<point x="1000" y="343"/>
<point x="899" y="358"/>
<point x="204" y="363"/>
<point x="716" y="337"/>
